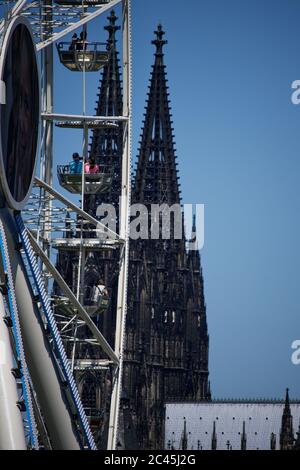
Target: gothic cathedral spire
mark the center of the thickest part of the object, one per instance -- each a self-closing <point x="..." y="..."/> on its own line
<point x="287" y="432"/>
<point x="156" y="179"/>
<point x="107" y="143"/>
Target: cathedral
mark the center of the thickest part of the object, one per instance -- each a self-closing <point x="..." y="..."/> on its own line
<point x="167" y="342"/>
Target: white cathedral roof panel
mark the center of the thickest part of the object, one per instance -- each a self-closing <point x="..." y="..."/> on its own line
<point x="261" y="419"/>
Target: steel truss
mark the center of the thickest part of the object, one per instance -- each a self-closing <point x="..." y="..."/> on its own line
<point x="49" y="216"/>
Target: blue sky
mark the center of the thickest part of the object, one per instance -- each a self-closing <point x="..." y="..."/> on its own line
<point x="230" y="68"/>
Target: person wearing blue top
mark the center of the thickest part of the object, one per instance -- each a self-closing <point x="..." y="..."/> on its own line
<point x="76" y="164"/>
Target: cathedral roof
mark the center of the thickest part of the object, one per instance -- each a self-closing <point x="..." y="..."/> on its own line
<point x="261" y="418"/>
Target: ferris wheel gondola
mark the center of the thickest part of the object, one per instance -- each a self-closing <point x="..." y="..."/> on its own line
<point x="96" y="299"/>
<point x="93" y="183"/>
<point x="95" y="303"/>
<point x="88" y="56"/>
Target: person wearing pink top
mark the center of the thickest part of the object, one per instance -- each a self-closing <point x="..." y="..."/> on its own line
<point x="90" y="168"/>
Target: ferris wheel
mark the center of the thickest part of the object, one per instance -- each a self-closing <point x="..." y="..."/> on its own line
<point x="40" y="327"/>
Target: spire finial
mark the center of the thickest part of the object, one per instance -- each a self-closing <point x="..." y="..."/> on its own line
<point x="208" y="391"/>
<point x="287" y="408"/>
<point x="287" y="432"/>
<point x="159" y="42"/>
<point x="244" y="438"/>
<point x="184" y="438"/>
<point x="112" y="18"/>
<point x="193" y="240"/>
<point x="112" y="28"/>
<point x="194" y="224"/>
<point x="287" y="397"/>
<point x="214" y="438"/>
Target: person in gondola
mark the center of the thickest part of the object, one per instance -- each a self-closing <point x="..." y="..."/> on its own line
<point x="91" y="168"/>
<point x="74" y="42"/>
<point x="100" y="292"/>
<point x="82" y="41"/>
<point x="76" y="164"/>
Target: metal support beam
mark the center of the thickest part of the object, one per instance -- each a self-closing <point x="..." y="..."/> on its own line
<point x="39" y="356"/>
<point x="47" y="150"/>
<point x="124" y="230"/>
<point x="76" y="209"/>
<point x="86" y="19"/>
<point x="77" y="306"/>
<point x="82" y="118"/>
<point x="14" y="11"/>
<point x="11" y="430"/>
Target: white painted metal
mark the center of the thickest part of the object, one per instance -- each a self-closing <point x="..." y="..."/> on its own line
<point x="77" y="306"/>
<point x="14" y="11"/>
<point x="47" y="139"/>
<point x="124" y="229"/>
<point x="78" y="117"/>
<point x="60" y="425"/>
<point x="86" y="19"/>
<point x="76" y="209"/>
<point x="11" y="429"/>
<point x="38" y="355"/>
<point x="90" y="244"/>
